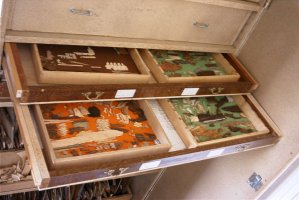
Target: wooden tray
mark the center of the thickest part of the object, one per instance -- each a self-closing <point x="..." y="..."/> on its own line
<point x="9" y="158"/>
<point x="190" y="141"/>
<point x="58" y="160"/>
<point x="229" y="73"/>
<point x="28" y="90"/>
<point x="76" y="75"/>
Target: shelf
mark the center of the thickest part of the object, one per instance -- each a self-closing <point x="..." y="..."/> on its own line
<point x="46" y="178"/>
<point x="29" y="91"/>
<point x="17" y="187"/>
<point x="5" y="100"/>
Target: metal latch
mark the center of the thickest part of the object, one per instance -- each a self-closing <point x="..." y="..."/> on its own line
<point x="255" y="181"/>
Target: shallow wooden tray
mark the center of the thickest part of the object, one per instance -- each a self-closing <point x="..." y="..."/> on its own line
<point x="84" y="160"/>
<point x="28" y="90"/>
<point x="89" y="78"/>
<point x="187" y="136"/>
<point x="231" y="76"/>
<point x="9" y="158"/>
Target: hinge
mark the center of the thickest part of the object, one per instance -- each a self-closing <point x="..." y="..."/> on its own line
<point x="255" y="181"/>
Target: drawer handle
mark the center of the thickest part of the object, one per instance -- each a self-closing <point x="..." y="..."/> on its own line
<point x="88" y="94"/>
<point x="242" y="147"/>
<point x="116" y="172"/>
<point x="201" y="25"/>
<point x="81" y="12"/>
<point x="216" y="90"/>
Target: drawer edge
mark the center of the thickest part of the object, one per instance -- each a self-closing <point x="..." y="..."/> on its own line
<point x="76" y="39"/>
<point x="39" y="168"/>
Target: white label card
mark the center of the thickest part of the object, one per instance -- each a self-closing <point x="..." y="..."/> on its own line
<point x="125" y="93"/>
<point x="214" y="153"/>
<point x="189" y="91"/>
<point x="150" y="165"/>
<point x="19" y="93"/>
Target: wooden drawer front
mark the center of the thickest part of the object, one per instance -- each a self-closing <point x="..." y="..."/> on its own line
<point x="46" y="177"/>
<point x="15" y="166"/>
<point x="128" y="140"/>
<point x="29" y="90"/>
<point x="190" y="132"/>
<point x="160" y="20"/>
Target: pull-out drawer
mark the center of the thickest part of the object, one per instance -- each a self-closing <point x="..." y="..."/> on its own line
<point x="15" y="166"/>
<point x="9" y="161"/>
<point x="190" y="21"/>
<point x="27" y="88"/>
<point x="46" y="177"/>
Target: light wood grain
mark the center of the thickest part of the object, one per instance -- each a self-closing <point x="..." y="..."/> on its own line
<point x="18" y="187"/>
<point x="7" y="8"/>
<point x="29" y="135"/>
<point x="89" y="78"/>
<point x="12" y="72"/>
<point x="187" y="136"/>
<point x="58" y="163"/>
<point x="161" y="20"/>
<point x="230" y="76"/>
<point x="73" y="39"/>
<point x="231" y="4"/>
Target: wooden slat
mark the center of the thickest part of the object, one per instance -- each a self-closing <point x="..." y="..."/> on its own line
<point x="29" y="135"/>
<point x="17" y="187"/>
<point x="89" y="40"/>
<point x="74" y="175"/>
<point x="242" y="70"/>
<point x="245" y="5"/>
<point x="6" y="16"/>
<point x="99" y="173"/>
<point x="249" y="28"/>
<point x="263" y="113"/>
<point x="37" y="92"/>
<point x="12" y="72"/>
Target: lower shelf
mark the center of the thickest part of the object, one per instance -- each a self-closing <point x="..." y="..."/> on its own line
<point x="17" y="187"/>
<point x="46" y="178"/>
<point x="117" y="189"/>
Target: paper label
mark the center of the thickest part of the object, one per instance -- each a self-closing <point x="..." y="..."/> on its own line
<point x="125" y="93"/>
<point x="19" y="93"/>
<point x="214" y="153"/>
<point x="149" y="165"/>
<point x="189" y="91"/>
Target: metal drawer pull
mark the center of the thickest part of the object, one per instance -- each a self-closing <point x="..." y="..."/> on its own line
<point x="201" y="25"/>
<point x="81" y="12"/>
<point x="116" y="172"/>
<point x="242" y="147"/>
<point x="216" y="90"/>
<point x="98" y="95"/>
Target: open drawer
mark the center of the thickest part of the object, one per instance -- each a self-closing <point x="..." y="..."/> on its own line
<point x="15" y="166"/>
<point x="28" y="90"/>
<point x="8" y="162"/>
<point x="45" y="177"/>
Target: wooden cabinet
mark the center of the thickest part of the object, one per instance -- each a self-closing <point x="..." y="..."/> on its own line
<point x="175" y="20"/>
<point x="219" y="26"/>
<point x="27" y="89"/>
